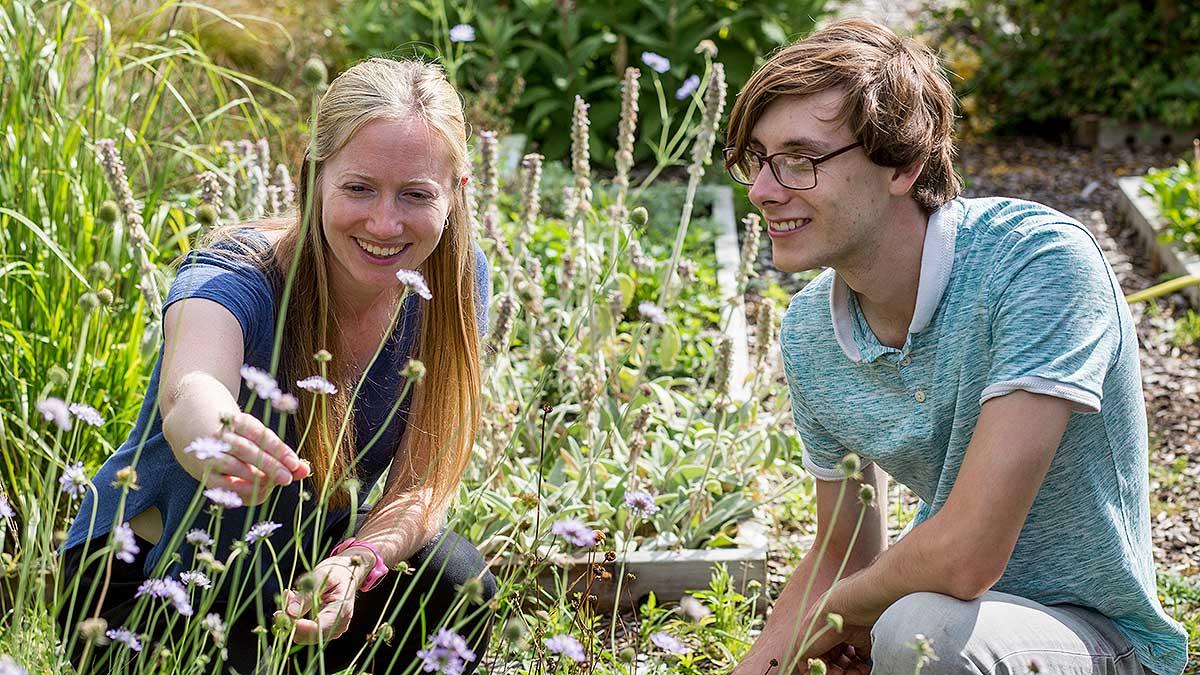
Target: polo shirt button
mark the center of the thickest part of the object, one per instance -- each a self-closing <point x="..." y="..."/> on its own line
<point x="920" y="396"/>
<point x="905" y="361"/>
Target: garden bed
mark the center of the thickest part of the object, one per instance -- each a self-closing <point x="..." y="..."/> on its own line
<point x="1143" y="215"/>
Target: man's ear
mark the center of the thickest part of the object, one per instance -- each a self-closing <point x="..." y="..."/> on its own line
<point x="903" y="179"/>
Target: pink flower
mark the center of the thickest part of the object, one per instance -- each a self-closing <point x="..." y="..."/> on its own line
<point x="86" y="413"/>
<point x="574" y="531"/>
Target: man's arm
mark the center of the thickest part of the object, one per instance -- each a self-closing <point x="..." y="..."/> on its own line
<point x="838" y="521"/>
<point x="963" y="549"/>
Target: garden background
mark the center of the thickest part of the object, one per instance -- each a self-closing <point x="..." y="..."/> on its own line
<point x="629" y="352"/>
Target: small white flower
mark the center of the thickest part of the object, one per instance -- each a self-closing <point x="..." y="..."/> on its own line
<point x="689" y="87"/>
<point x="123" y="535"/>
<point x="285" y="402"/>
<point x="215" y="626"/>
<point x="317" y="385"/>
<point x="224" y="498"/>
<point x="86" y="413"/>
<point x="195" y="578"/>
<point x="462" y="33"/>
<point x="199" y="538"/>
<point x="415" y="282"/>
<point x="125" y="636"/>
<point x="652" y="313"/>
<point x="74" y="481"/>
<point x="6" y="510"/>
<point x="261" y="530"/>
<point x="55" y="410"/>
<point x="207" y="447"/>
<point x="259" y="381"/>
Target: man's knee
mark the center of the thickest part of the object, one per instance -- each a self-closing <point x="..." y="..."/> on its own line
<point x="929" y="627"/>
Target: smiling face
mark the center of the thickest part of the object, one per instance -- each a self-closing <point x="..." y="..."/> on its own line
<point x="836" y="223"/>
<point x="385" y="198"/>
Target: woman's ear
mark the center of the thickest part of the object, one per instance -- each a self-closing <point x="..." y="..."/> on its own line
<point x="462" y="182"/>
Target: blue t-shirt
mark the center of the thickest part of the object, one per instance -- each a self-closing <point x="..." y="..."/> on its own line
<point x="1012" y="296"/>
<point x="236" y="281"/>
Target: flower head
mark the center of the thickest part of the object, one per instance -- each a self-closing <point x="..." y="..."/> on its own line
<point x="317" y="385"/>
<point x="415" y="282"/>
<point x="125" y="636"/>
<point x="6" y="510"/>
<point x="123" y="536"/>
<point x="195" y="578"/>
<point x="74" y="481"/>
<point x="652" y="313"/>
<point x="689" y="87"/>
<point x="55" y="410"/>
<point x="447" y="653"/>
<point x="566" y="646"/>
<point x="693" y="609"/>
<point x="260" y="382"/>
<point x="669" y="643"/>
<point x="199" y="538"/>
<point x="86" y="413"/>
<point x="574" y="531"/>
<point x="657" y="62"/>
<point x="641" y="503"/>
<point x="9" y="667"/>
<point x="207" y="447"/>
<point x="285" y="402"/>
<point x="462" y="33"/>
<point x="261" y="530"/>
<point x="169" y="589"/>
<point x="223" y="498"/>
<point x="215" y="627"/>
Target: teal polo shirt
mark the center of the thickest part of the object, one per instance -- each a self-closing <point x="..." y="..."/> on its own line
<point x="1012" y="295"/>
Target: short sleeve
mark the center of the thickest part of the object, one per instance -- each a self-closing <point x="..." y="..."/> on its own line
<point x="1055" y="321"/>
<point x="822" y="453"/>
<point x="483" y="289"/>
<point x="229" y="275"/>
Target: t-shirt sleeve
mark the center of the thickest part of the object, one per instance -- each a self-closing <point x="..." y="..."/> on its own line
<point x="1055" y="320"/>
<point x="822" y="453"/>
<point x="483" y="290"/>
<point x="227" y="276"/>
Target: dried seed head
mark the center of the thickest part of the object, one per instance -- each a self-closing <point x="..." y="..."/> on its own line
<point x="866" y="495"/>
<point x="851" y="464"/>
<point x="100" y="271"/>
<point x="89" y="301"/>
<point x="515" y="631"/>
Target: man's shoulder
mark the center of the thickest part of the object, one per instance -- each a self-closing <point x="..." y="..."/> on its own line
<point x="1004" y="221"/>
<point x="808" y="314"/>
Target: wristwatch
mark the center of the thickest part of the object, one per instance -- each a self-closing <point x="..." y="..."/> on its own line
<point x="377" y="573"/>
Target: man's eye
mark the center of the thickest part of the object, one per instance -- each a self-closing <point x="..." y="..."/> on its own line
<point x="356" y="188"/>
<point x="420" y="195"/>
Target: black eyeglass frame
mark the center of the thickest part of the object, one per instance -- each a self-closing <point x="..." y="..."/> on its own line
<point x="769" y="161"/>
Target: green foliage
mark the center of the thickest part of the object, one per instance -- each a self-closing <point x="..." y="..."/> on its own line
<point x="1176" y="192"/>
<point x="548" y="52"/>
<point x="1031" y="62"/>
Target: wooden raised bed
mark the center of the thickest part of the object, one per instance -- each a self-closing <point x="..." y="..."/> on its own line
<point x="1141" y="213"/>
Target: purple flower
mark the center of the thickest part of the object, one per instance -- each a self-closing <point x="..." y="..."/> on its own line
<point x="224" y="498"/>
<point x="261" y="530"/>
<point x="285" y="402"/>
<point x="317" y="385"/>
<point x="462" y="33"/>
<point x="199" y="538"/>
<point x="447" y="653"/>
<point x="125" y="636"/>
<point x="567" y="646"/>
<point x="574" y="531"/>
<point x="415" y="283"/>
<point x="259" y="381"/>
<point x="123" y="535"/>
<point x="55" y="410"/>
<point x="86" y="413"/>
<point x="207" y="447"/>
<point x="195" y="578"/>
<point x="74" y="481"/>
<point x="689" y="87"/>
<point x="641" y="503"/>
<point x="169" y="589"/>
<point x="6" y="510"/>
<point x="669" y="643"/>
<point x="657" y="62"/>
<point x="9" y="667"/>
<point x="652" y="313"/>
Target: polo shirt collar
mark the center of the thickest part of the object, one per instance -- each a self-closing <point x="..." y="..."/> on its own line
<point x="937" y="261"/>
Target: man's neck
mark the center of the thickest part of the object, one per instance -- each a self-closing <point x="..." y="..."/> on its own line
<point x="885" y="277"/>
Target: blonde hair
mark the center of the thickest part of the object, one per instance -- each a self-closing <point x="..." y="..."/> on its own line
<point x="898" y="101"/>
<point x="444" y="414"/>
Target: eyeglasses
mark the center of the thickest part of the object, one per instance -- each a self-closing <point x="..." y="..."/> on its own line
<point x="793" y="171"/>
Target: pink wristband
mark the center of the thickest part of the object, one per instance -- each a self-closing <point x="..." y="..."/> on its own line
<point x="377" y="573"/>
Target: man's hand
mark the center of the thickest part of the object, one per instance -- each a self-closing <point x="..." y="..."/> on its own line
<point x="336" y="581"/>
<point x="842" y="652"/>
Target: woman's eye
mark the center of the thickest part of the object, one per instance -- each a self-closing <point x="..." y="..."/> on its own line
<point x="356" y="188"/>
<point x="420" y="195"/>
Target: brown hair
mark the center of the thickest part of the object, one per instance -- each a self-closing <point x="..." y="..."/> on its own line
<point x="898" y="101"/>
<point x="444" y="414"/>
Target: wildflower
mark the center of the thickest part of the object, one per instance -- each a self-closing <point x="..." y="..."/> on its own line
<point x="639" y="216"/>
<point x="195" y="578"/>
<point x="322" y="356"/>
<point x="415" y="283"/>
<point x="724" y="374"/>
<point x="764" y="329"/>
<point x="866" y="495"/>
<point x="317" y="385"/>
<point x="109" y="212"/>
<point x="92" y="630"/>
<point x="89" y="301"/>
<point x="714" y="104"/>
<point x="256" y="184"/>
<point x="506" y="310"/>
<point x="199" y="538"/>
<point x="835" y="621"/>
<point x="262" y="152"/>
<point x="9" y="667"/>
<point x="566" y="646"/>
<point x="693" y="609"/>
<point x="168" y="589"/>
<point x="55" y="410"/>
<point x="6" y="510"/>
<point x="105" y="296"/>
<point x="207" y="447"/>
<point x="515" y="631"/>
<point x="210" y="190"/>
<point x="627" y="126"/>
<point x="259" y="381"/>
<point x="531" y="183"/>
<point x="462" y="33"/>
<point x="581" y="155"/>
<point x="261" y="530"/>
<point x="574" y="531"/>
<point x="707" y="48"/>
<point x="287" y="189"/>
<point x="448" y="653"/>
<point x="123" y="536"/>
<point x="817" y="667"/>
<point x="215" y="627"/>
<point x="669" y="643"/>
<point x="414" y="371"/>
<point x="656" y="62"/>
<point x="851" y="464"/>
<point x="286" y="403"/>
<point x="126" y="637"/>
<point x="627" y="655"/>
<point x="689" y="87"/>
<point x="753" y="225"/>
<point x="114" y="171"/>
<point x="641" y="503"/>
<point x="224" y="498"/>
<point x="489" y="151"/>
<point x="652" y="313"/>
<point x="74" y="481"/>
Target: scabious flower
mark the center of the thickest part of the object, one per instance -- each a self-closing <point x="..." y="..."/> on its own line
<point x="669" y="643"/>
<point x="199" y="538"/>
<point x="168" y="589"/>
<point x="215" y="627"/>
<point x="462" y="33"/>
<point x="285" y="402"/>
<point x="207" y="447"/>
<point x="195" y="578"/>
<point x="125" y="636"/>
<point x="574" y="531"/>
<point x="566" y="646"/>
<point x="641" y="503"/>
<point x="689" y="87"/>
<point x="55" y="410"/>
<point x="123" y="535"/>
<point x="317" y="385"/>
<point x="86" y="413"/>
<point x="223" y="498"/>
<point x="6" y="510"/>
<point x="74" y="481"/>
<point x="447" y="653"/>
<point x="261" y="530"/>
<point x="9" y="667"/>
<point x="657" y="62"/>
<point x="415" y="282"/>
<point x="693" y="609"/>
<point x="652" y="313"/>
<point x="260" y="381"/>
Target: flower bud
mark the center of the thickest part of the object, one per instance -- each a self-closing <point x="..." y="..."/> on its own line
<point x="816" y="667"/>
<point x="314" y="73"/>
<point x="835" y="621"/>
<point x="126" y="477"/>
<point x="851" y="464"/>
<point x="92" y="630"/>
<point x="627" y="655"/>
<point x="639" y="216"/>
<point x="105" y="296"/>
<point x="100" y="270"/>
<point x="385" y="632"/>
<point x="472" y="589"/>
<point x="866" y="495"/>
<point x="109" y="212"/>
<point x="206" y="215"/>
<point x="58" y="376"/>
<point x="89" y="301"/>
<point x="514" y="631"/>
<point x="414" y="371"/>
<point x="323" y="356"/>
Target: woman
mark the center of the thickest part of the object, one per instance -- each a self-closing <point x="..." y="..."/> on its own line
<point x="389" y="167"/>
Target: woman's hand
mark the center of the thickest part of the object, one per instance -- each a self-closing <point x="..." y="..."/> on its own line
<point x="256" y="463"/>
<point x="336" y="581"/>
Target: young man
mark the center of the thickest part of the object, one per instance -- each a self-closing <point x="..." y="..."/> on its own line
<point x="979" y="351"/>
